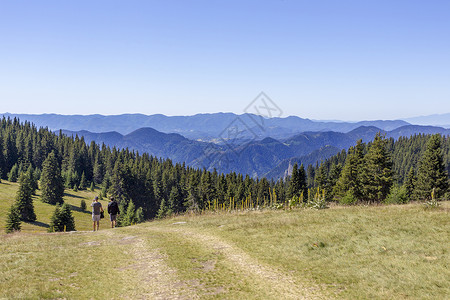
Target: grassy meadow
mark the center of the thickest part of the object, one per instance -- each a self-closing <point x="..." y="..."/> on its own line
<point x="361" y="252"/>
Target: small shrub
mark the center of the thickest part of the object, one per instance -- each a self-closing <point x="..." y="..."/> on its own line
<point x="348" y="199"/>
<point x="83" y="205"/>
<point x="398" y="195"/>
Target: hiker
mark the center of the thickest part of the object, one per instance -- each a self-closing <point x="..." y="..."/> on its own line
<point x="96" y="210"/>
<point x="113" y="211"/>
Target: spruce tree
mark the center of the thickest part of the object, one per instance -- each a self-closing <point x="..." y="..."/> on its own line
<point x="432" y="174"/>
<point x="163" y="209"/>
<point x="294" y="183"/>
<point x="62" y="219"/>
<point x="13" y="173"/>
<point x="130" y="217"/>
<point x="349" y="182"/>
<point x="82" y="182"/>
<point x="67" y="219"/>
<point x="55" y="220"/>
<point x="24" y="200"/>
<point x="377" y="174"/>
<point x="13" y="220"/>
<point x="410" y="183"/>
<point x="51" y="181"/>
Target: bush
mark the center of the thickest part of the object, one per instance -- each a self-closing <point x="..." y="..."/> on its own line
<point x="83" y="205"/>
<point x="318" y="201"/>
<point x="348" y="199"/>
<point x="398" y="195"/>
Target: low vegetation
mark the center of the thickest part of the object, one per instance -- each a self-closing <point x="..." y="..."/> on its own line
<point x="357" y="252"/>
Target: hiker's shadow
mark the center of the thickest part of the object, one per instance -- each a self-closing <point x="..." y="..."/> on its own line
<point x="40" y="224"/>
<point x="76" y="208"/>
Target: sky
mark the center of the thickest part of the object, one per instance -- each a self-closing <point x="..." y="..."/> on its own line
<point x="323" y="60"/>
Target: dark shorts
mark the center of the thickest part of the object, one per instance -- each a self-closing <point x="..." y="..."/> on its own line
<point x="112" y="217"/>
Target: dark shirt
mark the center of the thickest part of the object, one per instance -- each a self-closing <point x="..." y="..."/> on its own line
<point x="113" y="208"/>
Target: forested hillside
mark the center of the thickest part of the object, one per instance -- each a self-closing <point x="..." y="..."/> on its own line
<point x="158" y="187"/>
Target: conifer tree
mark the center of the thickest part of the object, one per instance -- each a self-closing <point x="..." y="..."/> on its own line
<point x="62" y="219"/>
<point x="13" y="220"/>
<point x="377" y="174"/>
<point x="13" y="173"/>
<point x="24" y="200"/>
<point x="67" y="218"/>
<point x="432" y="174"/>
<point x="130" y="217"/>
<point x="163" y="209"/>
<point x="294" y="183"/>
<point x="82" y="182"/>
<point x="51" y="181"/>
<point x="349" y="182"/>
<point x="410" y="183"/>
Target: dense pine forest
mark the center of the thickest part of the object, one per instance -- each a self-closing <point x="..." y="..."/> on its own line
<point x="146" y="187"/>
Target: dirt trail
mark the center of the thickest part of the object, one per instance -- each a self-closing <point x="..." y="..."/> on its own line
<point x="278" y="284"/>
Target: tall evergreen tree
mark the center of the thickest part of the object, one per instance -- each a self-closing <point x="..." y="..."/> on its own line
<point x="350" y="177"/>
<point x="432" y="174"/>
<point x="51" y="181"/>
<point x="377" y="174"/>
<point x="410" y="183"/>
<point x="24" y="200"/>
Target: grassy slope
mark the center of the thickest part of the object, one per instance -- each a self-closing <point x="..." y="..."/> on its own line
<point x="355" y="253"/>
<point x="83" y="220"/>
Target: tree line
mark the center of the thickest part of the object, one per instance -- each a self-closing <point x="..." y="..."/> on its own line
<point x="155" y="187"/>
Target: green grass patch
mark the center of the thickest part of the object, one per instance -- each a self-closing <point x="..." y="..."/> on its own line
<point x="357" y="252"/>
<point x="44" y="211"/>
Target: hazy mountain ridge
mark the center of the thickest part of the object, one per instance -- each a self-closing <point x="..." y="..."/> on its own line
<point x="207" y="127"/>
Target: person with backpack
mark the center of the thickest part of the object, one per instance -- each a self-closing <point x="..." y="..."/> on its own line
<point x="97" y="210"/>
<point x="113" y="211"/>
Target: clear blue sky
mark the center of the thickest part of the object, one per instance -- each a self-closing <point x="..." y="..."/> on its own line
<point x="347" y="60"/>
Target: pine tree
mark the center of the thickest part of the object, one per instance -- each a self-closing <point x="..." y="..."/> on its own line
<point x="130" y="217"/>
<point x="82" y="182"/>
<point x="55" y="220"/>
<point x="67" y="219"/>
<point x="13" y="220"/>
<point x="163" y="209"/>
<point x="24" y="200"/>
<point x="13" y="173"/>
<point x="432" y="174"/>
<point x="410" y="183"/>
<point x="377" y="174"/>
<point x="349" y="182"/>
<point x="62" y="219"/>
<point x="294" y="183"/>
<point x="51" y="181"/>
<point x="92" y="187"/>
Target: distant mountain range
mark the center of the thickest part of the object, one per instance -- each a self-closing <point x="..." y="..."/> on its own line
<point x="228" y="142"/>
<point x="441" y="120"/>
<point x="205" y="127"/>
<point x="268" y="157"/>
